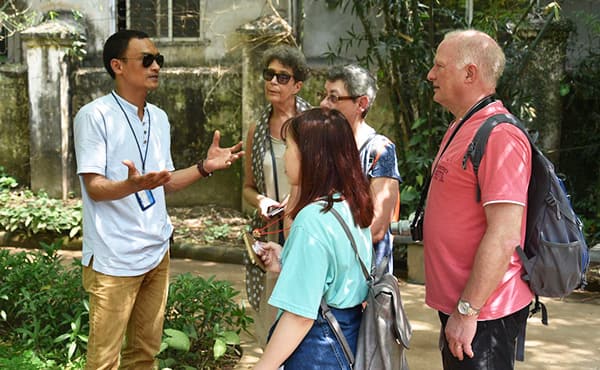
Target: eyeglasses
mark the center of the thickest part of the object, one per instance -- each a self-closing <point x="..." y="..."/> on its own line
<point x="148" y="59"/>
<point x="334" y="98"/>
<point x="282" y="78"/>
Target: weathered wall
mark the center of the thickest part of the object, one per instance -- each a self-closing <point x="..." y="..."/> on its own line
<point x="218" y="41"/>
<point x="14" y="122"/>
<point x="542" y="80"/>
<point x="197" y="101"/>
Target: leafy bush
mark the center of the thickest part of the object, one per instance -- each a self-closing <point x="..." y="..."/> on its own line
<point x="44" y="308"/>
<point x="29" y="213"/>
<point x="204" y="310"/>
<point x="400" y="38"/>
<point x="44" y="316"/>
<point x="6" y="182"/>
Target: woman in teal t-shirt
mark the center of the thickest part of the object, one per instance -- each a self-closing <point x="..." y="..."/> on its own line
<point x="318" y="260"/>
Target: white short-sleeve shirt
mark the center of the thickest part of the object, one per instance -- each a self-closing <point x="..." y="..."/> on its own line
<point x="123" y="239"/>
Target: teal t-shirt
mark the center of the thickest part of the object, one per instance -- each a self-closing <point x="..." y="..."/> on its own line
<point x="318" y="260"/>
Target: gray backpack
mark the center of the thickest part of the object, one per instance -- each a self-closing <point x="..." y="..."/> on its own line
<point x="384" y="329"/>
<point x="555" y="255"/>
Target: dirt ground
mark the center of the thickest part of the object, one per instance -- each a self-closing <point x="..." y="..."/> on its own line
<point x="208" y="225"/>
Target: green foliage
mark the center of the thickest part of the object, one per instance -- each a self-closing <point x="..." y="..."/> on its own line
<point x="12" y="358"/>
<point x="77" y="50"/>
<point x="13" y="19"/>
<point x="44" y="316"/>
<point x="205" y="312"/>
<point x="581" y="129"/>
<point x="6" y="182"/>
<point x="400" y="38"/>
<point x="28" y="213"/>
<point x="44" y="306"/>
<point x="215" y="232"/>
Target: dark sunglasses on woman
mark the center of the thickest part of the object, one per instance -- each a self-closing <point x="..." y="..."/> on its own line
<point x="148" y="59"/>
<point x="282" y="78"/>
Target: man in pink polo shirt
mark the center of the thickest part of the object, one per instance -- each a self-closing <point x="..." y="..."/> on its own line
<point x="472" y="273"/>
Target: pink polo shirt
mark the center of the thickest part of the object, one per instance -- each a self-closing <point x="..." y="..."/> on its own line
<point x="455" y="223"/>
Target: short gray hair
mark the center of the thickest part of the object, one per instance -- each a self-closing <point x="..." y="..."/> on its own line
<point x="357" y="80"/>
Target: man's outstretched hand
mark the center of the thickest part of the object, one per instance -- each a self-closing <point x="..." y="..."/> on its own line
<point x="148" y="180"/>
<point x="218" y="158"/>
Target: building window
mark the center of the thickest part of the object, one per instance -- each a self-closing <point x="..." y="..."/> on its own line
<point x="163" y="19"/>
<point x="3" y="48"/>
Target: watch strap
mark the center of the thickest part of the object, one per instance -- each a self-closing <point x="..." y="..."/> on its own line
<point x="203" y="172"/>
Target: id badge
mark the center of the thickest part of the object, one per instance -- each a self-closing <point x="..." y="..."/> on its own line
<point x="145" y="199"/>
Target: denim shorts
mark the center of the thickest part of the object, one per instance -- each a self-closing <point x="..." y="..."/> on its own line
<point x="494" y="344"/>
<point x="320" y="349"/>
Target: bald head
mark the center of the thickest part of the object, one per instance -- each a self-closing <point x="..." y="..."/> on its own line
<point x="476" y="47"/>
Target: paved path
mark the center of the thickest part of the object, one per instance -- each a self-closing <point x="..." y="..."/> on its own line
<point x="570" y="342"/>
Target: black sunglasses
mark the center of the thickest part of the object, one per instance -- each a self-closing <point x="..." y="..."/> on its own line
<point x="282" y="78"/>
<point x="148" y="59"/>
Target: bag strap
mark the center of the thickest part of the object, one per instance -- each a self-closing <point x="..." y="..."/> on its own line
<point x="327" y="314"/>
<point x="477" y="147"/>
<point x="352" y="242"/>
<point x="478" y="106"/>
<point x="337" y="330"/>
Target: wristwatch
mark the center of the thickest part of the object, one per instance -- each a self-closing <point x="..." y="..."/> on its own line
<point x="465" y="308"/>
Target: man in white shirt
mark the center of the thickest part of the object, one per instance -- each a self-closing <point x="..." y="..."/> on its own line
<point x="122" y="145"/>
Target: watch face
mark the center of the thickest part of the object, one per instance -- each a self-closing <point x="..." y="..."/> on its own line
<point x="463" y="307"/>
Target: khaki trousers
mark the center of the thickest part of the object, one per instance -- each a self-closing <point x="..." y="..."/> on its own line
<point x="131" y="307"/>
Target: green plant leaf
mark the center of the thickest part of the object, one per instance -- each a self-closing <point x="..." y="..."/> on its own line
<point x="177" y="340"/>
<point x="163" y="346"/>
<point x="72" y="348"/>
<point x="219" y="348"/>
<point x="62" y="337"/>
<point x="74" y="231"/>
<point x="230" y="337"/>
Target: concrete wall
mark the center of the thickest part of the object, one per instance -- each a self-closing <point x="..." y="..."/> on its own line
<point x="14" y="122"/>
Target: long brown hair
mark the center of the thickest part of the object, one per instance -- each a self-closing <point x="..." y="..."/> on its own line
<point x="330" y="162"/>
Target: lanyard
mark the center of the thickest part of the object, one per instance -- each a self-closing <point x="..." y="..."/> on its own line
<point x="477" y="107"/>
<point x="145" y="155"/>
<point x="274" y="164"/>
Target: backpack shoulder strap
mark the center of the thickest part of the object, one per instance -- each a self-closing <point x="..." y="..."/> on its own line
<point x="352" y="242"/>
<point x="326" y="311"/>
<point x="337" y="330"/>
<point x="476" y="149"/>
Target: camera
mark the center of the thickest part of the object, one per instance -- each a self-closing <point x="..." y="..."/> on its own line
<point x="411" y="228"/>
<point x="416" y="226"/>
<point x="401" y="227"/>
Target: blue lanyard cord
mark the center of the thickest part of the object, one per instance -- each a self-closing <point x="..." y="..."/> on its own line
<point x="145" y="155"/>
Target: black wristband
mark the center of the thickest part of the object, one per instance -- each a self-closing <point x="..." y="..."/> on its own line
<point x="200" y="167"/>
